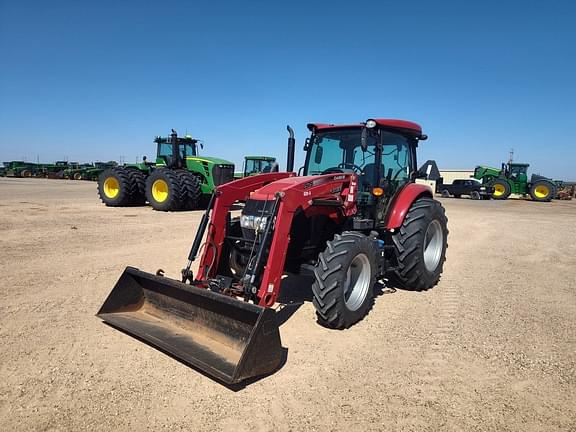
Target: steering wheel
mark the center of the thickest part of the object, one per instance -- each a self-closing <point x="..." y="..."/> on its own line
<point x="355" y="167"/>
<point x="341" y="167"/>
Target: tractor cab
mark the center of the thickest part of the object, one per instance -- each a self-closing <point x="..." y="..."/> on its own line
<point x="518" y="172"/>
<point x="382" y="153"/>
<point x="173" y="150"/>
<point x="254" y="165"/>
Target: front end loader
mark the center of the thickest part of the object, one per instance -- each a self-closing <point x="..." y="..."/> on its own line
<point x="354" y="218"/>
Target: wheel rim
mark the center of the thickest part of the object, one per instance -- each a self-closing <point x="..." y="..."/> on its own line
<point x="541" y="191"/>
<point x="499" y="189"/>
<point x="160" y="190"/>
<point x="433" y="245"/>
<point x="111" y="187"/>
<point x="357" y="282"/>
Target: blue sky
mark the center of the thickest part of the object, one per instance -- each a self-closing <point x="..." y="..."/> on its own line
<point x="97" y="80"/>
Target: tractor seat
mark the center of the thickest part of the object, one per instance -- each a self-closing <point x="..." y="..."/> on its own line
<point x="368" y="173"/>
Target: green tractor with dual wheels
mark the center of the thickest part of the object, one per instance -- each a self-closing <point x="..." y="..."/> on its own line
<point x="512" y="178"/>
<point x="180" y="179"/>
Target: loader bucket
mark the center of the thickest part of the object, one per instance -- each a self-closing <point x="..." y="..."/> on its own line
<point x="224" y="337"/>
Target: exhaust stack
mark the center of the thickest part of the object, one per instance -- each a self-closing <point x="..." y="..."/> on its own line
<point x="291" y="148"/>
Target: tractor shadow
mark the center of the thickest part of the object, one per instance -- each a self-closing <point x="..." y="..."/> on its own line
<point x="233" y="387"/>
<point x="297" y="289"/>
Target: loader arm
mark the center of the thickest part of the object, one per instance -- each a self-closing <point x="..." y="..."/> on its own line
<point x="226" y="196"/>
<point x="330" y="194"/>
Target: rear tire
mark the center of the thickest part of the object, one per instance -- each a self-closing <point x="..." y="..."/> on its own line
<point x="475" y="195"/>
<point x="501" y="189"/>
<point x="190" y="189"/>
<point x="345" y="274"/>
<point x="77" y="176"/>
<point x="116" y="188"/>
<point x="420" y="245"/>
<point x="542" y="191"/>
<point x="164" y="190"/>
<point x="138" y="186"/>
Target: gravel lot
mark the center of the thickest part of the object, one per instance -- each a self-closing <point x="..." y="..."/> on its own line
<point x="492" y="347"/>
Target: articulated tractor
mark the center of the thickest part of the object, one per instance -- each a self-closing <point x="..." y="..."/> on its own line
<point x="353" y="218"/>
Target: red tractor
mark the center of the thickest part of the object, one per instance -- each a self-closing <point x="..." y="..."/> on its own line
<point x="354" y="217"/>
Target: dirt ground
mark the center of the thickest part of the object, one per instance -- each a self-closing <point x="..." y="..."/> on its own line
<point x="492" y="347"/>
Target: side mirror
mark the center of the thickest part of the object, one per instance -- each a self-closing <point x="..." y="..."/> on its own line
<point x="202" y="146"/>
<point x="364" y="139"/>
<point x="318" y="154"/>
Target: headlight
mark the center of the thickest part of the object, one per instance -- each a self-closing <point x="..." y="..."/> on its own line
<point x="370" y="124"/>
<point x="257" y="223"/>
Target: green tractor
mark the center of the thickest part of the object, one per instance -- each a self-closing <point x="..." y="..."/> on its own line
<point x="513" y="179"/>
<point x="97" y="169"/>
<point x="57" y="170"/>
<point x="178" y="180"/>
<point x="254" y="165"/>
<point x="20" y="169"/>
<point x="77" y="172"/>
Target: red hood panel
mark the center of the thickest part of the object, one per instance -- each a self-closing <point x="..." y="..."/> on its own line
<point x="293" y="183"/>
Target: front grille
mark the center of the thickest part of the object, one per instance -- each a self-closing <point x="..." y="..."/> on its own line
<point x="222" y="174"/>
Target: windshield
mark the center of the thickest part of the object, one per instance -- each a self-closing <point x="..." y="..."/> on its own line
<point x="340" y="151"/>
<point x="257" y="166"/>
<point x="165" y="149"/>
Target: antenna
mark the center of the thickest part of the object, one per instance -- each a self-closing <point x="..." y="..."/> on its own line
<point x="511" y="157"/>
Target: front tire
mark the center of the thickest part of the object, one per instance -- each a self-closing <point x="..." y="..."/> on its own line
<point x="345" y="274"/>
<point x="164" y="190"/>
<point x="501" y="189"/>
<point x="116" y="188"/>
<point x="445" y="193"/>
<point x="420" y="245"/>
<point x="475" y="195"/>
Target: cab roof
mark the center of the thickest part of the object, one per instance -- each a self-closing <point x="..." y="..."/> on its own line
<point x="403" y="125"/>
<point x="265" y="158"/>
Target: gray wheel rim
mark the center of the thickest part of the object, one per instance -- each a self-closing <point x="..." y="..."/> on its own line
<point x="357" y="282"/>
<point x="433" y="245"/>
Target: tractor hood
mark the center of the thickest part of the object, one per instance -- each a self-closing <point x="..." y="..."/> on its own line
<point x="303" y="189"/>
<point x="209" y="159"/>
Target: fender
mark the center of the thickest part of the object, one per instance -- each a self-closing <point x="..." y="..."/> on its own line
<point x="402" y="202"/>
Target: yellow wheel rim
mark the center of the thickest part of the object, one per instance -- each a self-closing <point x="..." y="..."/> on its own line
<point x="499" y="189"/>
<point x="111" y="187"/>
<point x="160" y="190"/>
<point x="541" y="191"/>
